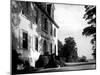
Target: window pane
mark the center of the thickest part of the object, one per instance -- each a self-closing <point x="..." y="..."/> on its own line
<point x="49" y="9"/>
<point x="36" y="43"/>
<point x="25" y="40"/>
<point x="55" y="49"/>
<point x="45" y="46"/>
<point x="55" y="32"/>
<point x="51" y="30"/>
<point x="45" y="25"/>
<point x="51" y="47"/>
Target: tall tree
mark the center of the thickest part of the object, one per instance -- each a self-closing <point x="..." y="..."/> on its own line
<point x="69" y="50"/>
<point x="90" y="17"/>
<point x="83" y="59"/>
<point x="60" y="46"/>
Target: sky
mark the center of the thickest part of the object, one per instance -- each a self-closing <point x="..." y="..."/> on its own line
<point x="71" y="23"/>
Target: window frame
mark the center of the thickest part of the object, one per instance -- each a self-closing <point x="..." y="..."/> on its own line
<point x="23" y="31"/>
<point x="54" y="32"/>
<point x="49" y="9"/>
<point x="44" y="24"/>
<point x="36" y="43"/>
<point x="51" y="47"/>
<point x="45" y="46"/>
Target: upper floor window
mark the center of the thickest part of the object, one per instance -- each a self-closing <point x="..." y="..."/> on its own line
<point x="36" y="16"/>
<point x="51" y="30"/>
<point x="44" y="24"/>
<point x="54" y="32"/>
<point x="49" y="9"/>
<point x="26" y="7"/>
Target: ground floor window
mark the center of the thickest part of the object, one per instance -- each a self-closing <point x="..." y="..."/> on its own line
<point x="51" y="47"/>
<point x="25" y="40"/>
<point x="45" y="46"/>
<point x="36" y="43"/>
<point x="55" y="49"/>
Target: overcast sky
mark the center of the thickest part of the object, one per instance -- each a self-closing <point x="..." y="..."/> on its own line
<point x="71" y="23"/>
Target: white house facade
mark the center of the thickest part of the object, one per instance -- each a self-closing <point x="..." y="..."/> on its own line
<point x="33" y="30"/>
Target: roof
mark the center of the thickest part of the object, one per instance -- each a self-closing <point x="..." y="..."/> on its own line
<point x="50" y="18"/>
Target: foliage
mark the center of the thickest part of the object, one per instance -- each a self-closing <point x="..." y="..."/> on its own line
<point x="60" y="45"/>
<point x="26" y="8"/>
<point x="83" y="59"/>
<point x="89" y="30"/>
<point x="42" y="62"/>
<point x="90" y="14"/>
<point x="69" y="50"/>
<point x="90" y="17"/>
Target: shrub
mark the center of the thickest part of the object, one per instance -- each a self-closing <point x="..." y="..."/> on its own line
<point x="43" y="61"/>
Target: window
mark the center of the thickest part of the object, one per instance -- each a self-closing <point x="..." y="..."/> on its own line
<point x="36" y="43"/>
<point x="51" y="47"/>
<point x="26" y="7"/>
<point x="51" y="30"/>
<point x="49" y="9"/>
<point x="44" y="24"/>
<point x="54" y="32"/>
<point x="55" y="49"/>
<point x="45" y="46"/>
<point x="25" y="40"/>
<point x="36" y="16"/>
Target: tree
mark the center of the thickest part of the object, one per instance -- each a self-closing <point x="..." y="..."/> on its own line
<point x="90" y="17"/>
<point x="69" y="49"/>
<point x="60" y="45"/>
<point x="83" y="59"/>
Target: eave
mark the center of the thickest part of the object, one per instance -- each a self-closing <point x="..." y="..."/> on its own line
<point x="46" y="14"/>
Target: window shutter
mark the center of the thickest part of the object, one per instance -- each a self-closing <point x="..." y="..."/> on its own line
<point x="30" y="42"/>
